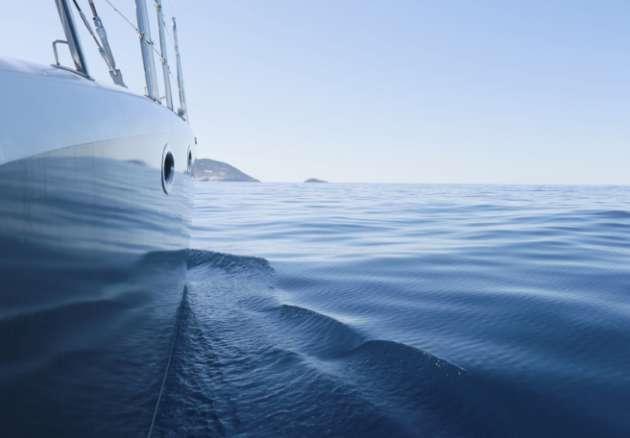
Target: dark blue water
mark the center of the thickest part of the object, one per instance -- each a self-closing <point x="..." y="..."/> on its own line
<point x="403" y="310"/>
<point x="93" y="265"/>
<point x="306" y="310"/>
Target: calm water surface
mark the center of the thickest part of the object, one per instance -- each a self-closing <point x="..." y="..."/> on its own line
<point x="404" y="310"/>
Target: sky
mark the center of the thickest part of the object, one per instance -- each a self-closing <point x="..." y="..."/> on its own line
<point x="520" y="92"/>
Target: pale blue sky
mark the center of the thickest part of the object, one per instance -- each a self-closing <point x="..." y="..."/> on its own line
<point x="389" y="91"/>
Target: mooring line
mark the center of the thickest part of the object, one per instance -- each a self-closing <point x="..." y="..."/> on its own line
<point x="156" y="409"/>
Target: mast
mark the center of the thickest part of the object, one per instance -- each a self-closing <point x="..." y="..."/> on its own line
<point x="146" y="45"/>
<point x="72" y="38"/>
<point x="166" y="71"/>
<point x="183" y="110"/>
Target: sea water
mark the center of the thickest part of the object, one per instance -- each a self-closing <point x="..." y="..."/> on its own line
<point x="403" y="310"/>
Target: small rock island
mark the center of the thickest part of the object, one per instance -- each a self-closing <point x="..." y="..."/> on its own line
<point x="212" y="170"/>
<point x="315" y="180"/>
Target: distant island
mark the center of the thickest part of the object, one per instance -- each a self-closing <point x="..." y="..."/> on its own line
<point x="206" y="169"/>
<point x="212" y="170"/>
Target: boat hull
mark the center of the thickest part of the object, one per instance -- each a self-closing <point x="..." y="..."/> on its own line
<point x="93" y="237"/>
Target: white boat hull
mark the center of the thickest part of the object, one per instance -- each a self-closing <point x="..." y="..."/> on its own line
<point x="93" y="255"/>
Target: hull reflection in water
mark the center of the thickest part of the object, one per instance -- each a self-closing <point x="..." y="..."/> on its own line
<point x="93" y="264"/>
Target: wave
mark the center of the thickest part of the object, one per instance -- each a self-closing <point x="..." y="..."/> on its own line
<point x="226" y="262"/>
<point x="378" y="351"/>
<point x="314" y="333"/>
<point x="248" y="360"/>
<point x="410" y="390"/>
<point x="245" y="362"/>
<point x="613" y="214"/>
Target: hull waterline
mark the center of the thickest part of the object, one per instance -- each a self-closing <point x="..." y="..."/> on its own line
<point x="94" y="233"/>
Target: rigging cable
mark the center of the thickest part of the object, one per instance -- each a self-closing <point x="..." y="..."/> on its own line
<point x="134" y="27"/>
<point x="123" y="16"/>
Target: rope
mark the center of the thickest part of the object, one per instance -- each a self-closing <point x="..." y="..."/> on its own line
<point x="178" y="316"/>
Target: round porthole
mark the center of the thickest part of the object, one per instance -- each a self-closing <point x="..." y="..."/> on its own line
<point x="168" y="169"/>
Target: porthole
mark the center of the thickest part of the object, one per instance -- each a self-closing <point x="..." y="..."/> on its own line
<point x="168" y="169"/>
